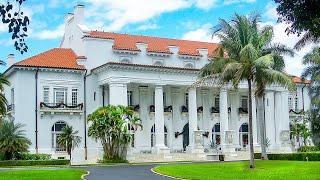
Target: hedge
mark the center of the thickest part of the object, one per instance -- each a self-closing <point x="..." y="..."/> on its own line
<point x="27" y="156"/>
<point x="33" y="162"/>
<point x="308" y="149"/>
<point x="303" y="156"/>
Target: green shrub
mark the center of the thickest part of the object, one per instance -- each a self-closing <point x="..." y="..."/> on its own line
<point x="1" y="157"/>
<point x="27" y="156"/>
<point x="114" y="160"/>
<point x="308" y="149"/>
<point x="303" y="156"/>
<point x="33" y="163"/>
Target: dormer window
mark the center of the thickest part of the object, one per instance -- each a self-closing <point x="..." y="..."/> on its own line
<point x="158" y="62"/>
<point x="125" y="59"/>
<point x="189" y="65"/>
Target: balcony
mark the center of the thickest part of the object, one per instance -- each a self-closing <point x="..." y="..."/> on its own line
<point x="61" y="108"/>
<point x="10" y="108"/>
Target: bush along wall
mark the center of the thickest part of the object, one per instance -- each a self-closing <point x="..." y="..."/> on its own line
<point x="303" y="156"/>
<point x="33" y="162"/>
<point x="308" y="149"/>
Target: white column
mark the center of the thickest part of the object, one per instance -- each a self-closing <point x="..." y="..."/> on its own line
<point x="278" y="108"/>
<point x="254" y="121"/>
<point x="223" y="114"/>
<point x="269" y="118"/>
<point x="159" y="117"/>
<point x="192" y="107"/>
<point x="117" y="94"/>
<point x="284" y="125"/>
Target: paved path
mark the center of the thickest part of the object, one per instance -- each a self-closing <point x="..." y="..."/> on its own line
<point x="123" y="172"/>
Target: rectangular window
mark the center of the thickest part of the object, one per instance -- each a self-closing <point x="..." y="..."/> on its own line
<point x="244" y="102"/>
<point x="187" y="99"/>
<point x="60" y="95"/>
<point x="12" y="96"/>
<point x="74" y="97"/>
<point x="164" y="99"/>
<point x="290" y="102"/>
<point x="46" y="92"/>
<point x="217" y="102"/>
<point x="296" y="103"/>
<point x="129" y="96"/>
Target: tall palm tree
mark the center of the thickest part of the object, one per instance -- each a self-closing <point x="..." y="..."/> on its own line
<point x="248" y="59"/>
<point x="3" y="100"/>
<point x="312" y="71"/>
<point x="69" y="139"/>
<point x="12" y="139"/>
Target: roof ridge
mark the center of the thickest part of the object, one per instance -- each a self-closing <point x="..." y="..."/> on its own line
<point x="148" y="36"/>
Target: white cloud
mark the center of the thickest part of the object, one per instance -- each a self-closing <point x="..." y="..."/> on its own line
<point x="293" y="64"/>
<point x="147" y="26"/>
<point x="203" y="33"/>
<point x="121" y="13"/>
<point x="271" y="12"/>
<point x="206" y="4"/>
<point x="50" y="34"/>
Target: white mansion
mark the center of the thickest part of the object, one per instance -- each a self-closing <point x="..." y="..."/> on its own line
<point x="91" y="69"/>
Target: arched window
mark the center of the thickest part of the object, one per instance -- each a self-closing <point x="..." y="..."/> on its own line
<point x="131" y="131"/>
<point x="244" y="135"/>
<point x="125" y="60"/>
<point x="158" y="63"/>
<point x="216" y="137"/>
<point x="189" y="65"/>
<point x="153" y="136"/>
<point x="56" y="130"/>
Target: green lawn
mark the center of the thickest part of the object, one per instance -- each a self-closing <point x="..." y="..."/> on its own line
<point x="54" y="174"/>
<point x="239" y="170"/>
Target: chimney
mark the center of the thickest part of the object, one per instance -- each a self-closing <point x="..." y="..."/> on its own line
<point x="174" y="49"/>
<point x="142" y="46"/>
<point x="79" y="14"/>
<point x="10" y="60"/>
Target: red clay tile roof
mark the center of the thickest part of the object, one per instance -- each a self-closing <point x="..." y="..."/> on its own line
<point x="155" y="44"/>
<point x="297" y="79"/>
<point x="54" y="58"/>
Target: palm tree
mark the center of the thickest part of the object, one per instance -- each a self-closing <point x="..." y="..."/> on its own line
<point x="312" y="71"/>
<point x="110" y="125"/>
<point x="69" y="139"/>
<point x="3" y="100"/>
<point x="12" y="139"/>
<point x="248" y="59"/>
<point x="308" y="37"/>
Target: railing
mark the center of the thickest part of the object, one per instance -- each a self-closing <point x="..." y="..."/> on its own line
<point x="10" y="107"/>
<point x="61" y="106"/>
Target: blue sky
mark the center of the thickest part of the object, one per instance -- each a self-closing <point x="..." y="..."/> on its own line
<point x="186" y="19"/>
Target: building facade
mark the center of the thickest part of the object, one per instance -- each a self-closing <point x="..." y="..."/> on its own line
<point x="155" y="76"/>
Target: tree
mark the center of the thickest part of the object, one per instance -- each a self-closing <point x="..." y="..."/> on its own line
<point x="300" y="130"/>
<point x="3" y="100"/>
<point x="312" y="71"/>
<point x="303" y="17"/>
<point x="69" y="139"/>
<point x="110" y="125"/>
<point x="241" y="57"/>
<point x="17" y="23"/>
<point x="12" y="139"/>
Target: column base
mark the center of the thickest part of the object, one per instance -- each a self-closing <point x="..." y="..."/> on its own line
<point x="228" y="148"/>
<point x="195" y="149"/>
<point x="161" y="150"/>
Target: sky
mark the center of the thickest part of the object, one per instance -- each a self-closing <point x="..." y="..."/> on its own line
<point x="182" y="19"/>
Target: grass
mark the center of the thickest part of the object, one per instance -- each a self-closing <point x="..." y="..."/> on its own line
<point x="54" y="174"/>
<point x="239" y="170"/>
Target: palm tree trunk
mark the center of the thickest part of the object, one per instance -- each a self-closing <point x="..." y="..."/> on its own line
<point x="250" y="126"/>
<point x="262" y="127"/>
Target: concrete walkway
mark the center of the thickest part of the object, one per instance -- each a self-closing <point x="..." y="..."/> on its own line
<point x="123" y="172"/>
